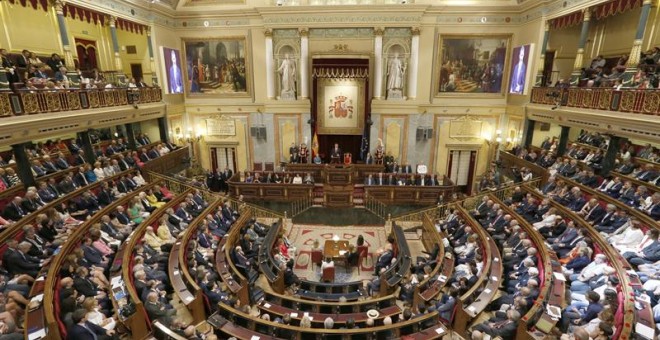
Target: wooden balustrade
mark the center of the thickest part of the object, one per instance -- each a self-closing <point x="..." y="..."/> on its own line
<point x="183" y="284"/>
<point x="138" y="322"/>
<point x="24" y="102"/>
<point x="551" y="293"/>
<point x="606" y="99"/>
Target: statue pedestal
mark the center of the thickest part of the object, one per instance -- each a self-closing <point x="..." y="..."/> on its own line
<point x="287" y="95"/>
<point x="395" y="94"/>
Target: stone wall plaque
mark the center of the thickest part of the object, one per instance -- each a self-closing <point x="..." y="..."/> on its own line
<point x="220" y="127"/>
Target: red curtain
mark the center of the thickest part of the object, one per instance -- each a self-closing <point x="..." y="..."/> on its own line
<point x="567" y="20"/>
<point x="33" y="3"/>
<point x="615" y="7"/>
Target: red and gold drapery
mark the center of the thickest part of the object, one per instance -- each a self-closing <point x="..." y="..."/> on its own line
<point x="567" y="20"/>
<point x="615" y="7"/>
<point x="33" y="3"/>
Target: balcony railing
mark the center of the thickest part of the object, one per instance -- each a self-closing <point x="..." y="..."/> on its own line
<point x="24" y="102"/>
<point x="626" y="100"/>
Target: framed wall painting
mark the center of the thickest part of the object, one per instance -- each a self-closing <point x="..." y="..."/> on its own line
<point x="472" y="65"/>
<point x="174" y="79"/>
<point x="520" y="67"/>
<point x="340" y="109"/>
<point x="217" y="67"/>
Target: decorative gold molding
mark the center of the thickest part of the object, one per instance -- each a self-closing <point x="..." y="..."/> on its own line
<point x="415" y="30"/>
<point x="268" y="32"/>
<point x="379" y="31"/>
<point x="303" y="32"/>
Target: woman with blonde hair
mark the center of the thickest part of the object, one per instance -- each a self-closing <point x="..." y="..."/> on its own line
<point x="93" y="315"/>
<point x="136" y="211"/>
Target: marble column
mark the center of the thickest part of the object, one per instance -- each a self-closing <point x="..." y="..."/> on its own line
<point x="130" y="136"/>
<point x="304" y="68"/>
<point x="579" y="57"/>
<point x="112" y="21"/>
<point x="563" y="140"/>
<point x="23" y="165"/>
<point x="86" y="146"/>
<point x="64" y="36"/>
<point x="541" y="66"/>
<point x="152" y="64"/>
<point x="414" y="62"/>
<point x="378" y="63"/>
<point x="635" y="53"/>
<point x="270" y="69"/>
<point x="528" y="134"/>
<point x="163" y="129"/>
<point x="74" y="77"/>
<point x="609" y="160"/>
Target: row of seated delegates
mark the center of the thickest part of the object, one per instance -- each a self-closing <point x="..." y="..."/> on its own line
<point x="593" y="299"/>
<point x="274" y="177"/>
<point x="519" y="258"/>
<point x="84" y="286"/>
<point x="22" y="261"/>
<point x="78" y="207"/>
<point x="623" y="190"/>
<point x="390" y="179"/>
<point x="647" y="152"/>
<point x="151" y="260"/>
<point x="217" y="180"/>
<point x="8" y="179"/>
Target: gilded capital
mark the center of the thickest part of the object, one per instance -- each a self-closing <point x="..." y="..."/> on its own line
<point x="268" y="32"/>
<point x="415" y="30"/>
<point x="647" y="2"/>
<point x="112" y="20"/>
<point x="303" y="32"/>
<point x="59" y="5"/>
<point x="148" y="31"/>
<point x="378" y="31"/>
<point x="547" y="25"/>
<point x="587" y="14"/>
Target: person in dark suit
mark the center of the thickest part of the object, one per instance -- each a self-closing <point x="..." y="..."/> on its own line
<point x="505" y="329"/>
<point x="384" y="260"/>
<point x="144" y="157"/>
<point x="85" y="330"/>
<point x="14" y="210"/>
<point x="60" y="162"/>
<point x="335" y="154"/>
<point x="8" y="64"/>
<point x="17" y="261"/>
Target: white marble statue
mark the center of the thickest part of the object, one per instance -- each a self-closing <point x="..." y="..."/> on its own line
<point x="287" y="71"/>
<point x="396" y="69"/>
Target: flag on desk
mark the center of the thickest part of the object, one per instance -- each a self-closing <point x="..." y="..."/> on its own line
<point x="364" y="146"/>
<point x="315" y="145"/>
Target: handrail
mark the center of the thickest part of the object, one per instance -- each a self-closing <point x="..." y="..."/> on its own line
<point x="180" y="263"/>
<point x="258" y="212"/>
<point x="613" y="256"/>
<point x="319" y="331"/>
<point x="545" y="253"/>
<point x="377" y="207"/>
<point x="67" y="247"/>
<point x="609" y="99"/>
<point x="29" y="219"/>
<point x="299" y="206"/>
<point x="440" y="210"/>
<point x="240" y="286"/>
<point x="24" y="102"/>
<point x="135" y="238"/>
<point x="460" y="321"/>
<point x="445" y="261"/>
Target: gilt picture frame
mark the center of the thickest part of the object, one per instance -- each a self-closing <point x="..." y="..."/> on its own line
<point x="218" y="67"/>
<point x="469" y="65"/>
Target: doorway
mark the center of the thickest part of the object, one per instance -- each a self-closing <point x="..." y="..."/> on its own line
<point x="548" y="62"/>
<point x="86" y="51"/>
<point x="460" y="168"/>
<point x="136" y="72"/>
<point x="222" y="157"/>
